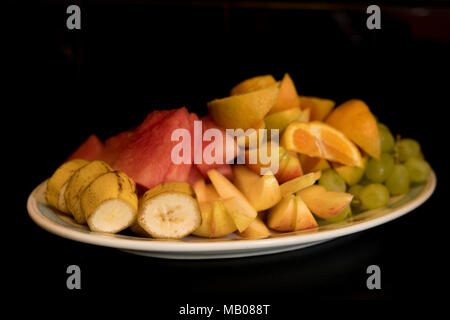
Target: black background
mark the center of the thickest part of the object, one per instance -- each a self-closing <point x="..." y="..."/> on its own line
<point x="132" y="57"/>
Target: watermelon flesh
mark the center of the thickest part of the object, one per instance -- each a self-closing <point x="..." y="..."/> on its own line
<point x="91" y="149"/>
<point x="114" y="145"/>
<point x="146" y="158"/>
<point x="145" y="152"/>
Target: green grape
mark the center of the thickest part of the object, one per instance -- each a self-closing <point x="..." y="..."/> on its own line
<point x="374" y="196"/>
<point x="387" y="141"/>
<point x="332" y="181"/>
<point x="418" y="169"/>
<point x="398" y="182"/>
<point x="346" y="212"/>
<point x="380" y="170"/>
<point x="355" y="190"/>
<point x="407" y="148"/>
<point x="364" y="181"/>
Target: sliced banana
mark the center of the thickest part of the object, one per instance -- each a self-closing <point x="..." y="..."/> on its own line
<point x="172" y="186"/>
<point x="137" y="230"/>
<point x="110" y="202"/>
<point x="78" y="182"/>
<point x="169" y="213"/>
<point x="57" y="184"/>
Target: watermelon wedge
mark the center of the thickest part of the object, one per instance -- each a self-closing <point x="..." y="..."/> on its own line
<point x="91" y="149"/>
<point x="146" y="157"/>
<point x="114" y="145"/>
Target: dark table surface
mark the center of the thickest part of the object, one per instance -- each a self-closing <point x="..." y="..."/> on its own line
<point x="130" y="59"/>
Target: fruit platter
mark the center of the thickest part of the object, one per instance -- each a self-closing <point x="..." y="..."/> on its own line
<point x="266" y="170"/>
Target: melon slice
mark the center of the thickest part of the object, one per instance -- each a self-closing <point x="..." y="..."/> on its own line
<point x="147" y="156"/>
<point x="91" y="149"/>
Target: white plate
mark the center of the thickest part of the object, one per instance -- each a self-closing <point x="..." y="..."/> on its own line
<point x="231" y="246"/>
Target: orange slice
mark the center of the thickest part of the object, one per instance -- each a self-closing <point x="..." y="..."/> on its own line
<point x="253" y="84"/>
<point x="317" y="139"/>
<point x="354" y="119"/>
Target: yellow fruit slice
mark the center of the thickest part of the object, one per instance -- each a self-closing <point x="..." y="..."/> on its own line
<point x="318" y="107"/>
<point x="236" y="204"/>
<point x="280" y="120"/>
<point x="57" y="184"/>
<point x="317" y="139"/>
<point x="79" y="181"/>
<point x="351" y="175"/>
<point x="253" y="84"/>
<point x="216" y="222"/>
<point x="243" y="111"/>
<point x="313" y="164"/>
<point x="170" y="212"/>
<point x="299" y="183"/>
<point x="287" y="97"/>
<point x="172" y="186"/>
<point x="354" y="119"/>
<point x="256" y="230"/>
<point x="110" y="202"/>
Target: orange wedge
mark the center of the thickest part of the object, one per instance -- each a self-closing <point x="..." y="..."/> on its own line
<point x="243" y="111"/>
<point x="288" y="97"/>
<point x="318" y="107"/>
<point x="253" y="84"/>
<point x="319" y="140"/>
<point x="354" y="119"/>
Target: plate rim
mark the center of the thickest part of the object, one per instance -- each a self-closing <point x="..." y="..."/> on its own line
<point x="147" y="244"/>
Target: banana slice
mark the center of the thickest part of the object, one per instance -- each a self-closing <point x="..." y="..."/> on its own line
<point x="170" y="212"/>
<point x="78" y="182"/>
<point x="137" y="230"/>
<point x="173" y="186"/>
<point x="57" y="184"/>
<point x="110" y="202"/>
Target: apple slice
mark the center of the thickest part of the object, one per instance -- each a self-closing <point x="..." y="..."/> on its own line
<point x="324" y="204"/>
<point x="256" y="230"/>
<point x="240" y="211"/>
<point x="282" y="217"/>
<point x="297" y="184"/>
<point x="234" y="201"/>
<point x="205" y="192"/>
<point x="222" y="223"/>
<point x="304" y="218"/>
<point x="310" y="164"/>
<point x="216" y="222"/>
<point x="263" y="192"/>
<point x="206" y="210"/>
<point x="291" y="168"/>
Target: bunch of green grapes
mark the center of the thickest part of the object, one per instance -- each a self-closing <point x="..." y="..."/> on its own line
<point x="400" y="165"/>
